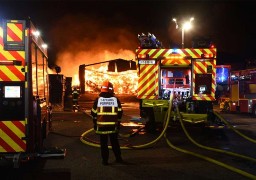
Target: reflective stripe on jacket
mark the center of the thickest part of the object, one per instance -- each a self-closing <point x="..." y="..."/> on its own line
<point x="108" y="111"/>
<point x="75" y="94"/>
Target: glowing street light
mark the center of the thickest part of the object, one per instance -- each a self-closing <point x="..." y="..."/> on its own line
<point x="185" y="26"/>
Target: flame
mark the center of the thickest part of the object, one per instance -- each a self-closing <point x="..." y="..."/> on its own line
<point x="75" y="81"/>
<point x="123" y="82"/>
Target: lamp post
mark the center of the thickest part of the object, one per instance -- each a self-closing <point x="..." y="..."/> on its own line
<point x="185" y="26"/>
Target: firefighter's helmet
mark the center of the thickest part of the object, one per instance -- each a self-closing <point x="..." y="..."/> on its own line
<point x="107" y="87"/>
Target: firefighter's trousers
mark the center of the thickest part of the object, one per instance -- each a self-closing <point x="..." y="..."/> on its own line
<point x="114" y="143"/>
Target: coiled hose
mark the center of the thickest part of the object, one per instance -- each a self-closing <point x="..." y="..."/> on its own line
<point x="147" y="145"/>
<point x="163" y="133"/>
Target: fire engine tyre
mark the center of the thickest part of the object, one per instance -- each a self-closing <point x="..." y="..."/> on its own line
<point x="254" y="111"/>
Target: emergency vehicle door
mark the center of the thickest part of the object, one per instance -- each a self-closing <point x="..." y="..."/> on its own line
<point x="203" y="79"/>
<point x="148" y="79"/>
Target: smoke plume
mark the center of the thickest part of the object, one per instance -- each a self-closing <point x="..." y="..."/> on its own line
<point x="84" y="40"/>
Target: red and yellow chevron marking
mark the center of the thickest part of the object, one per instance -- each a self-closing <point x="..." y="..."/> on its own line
<point x="201" y="68"/>
<point x="176" y="53"/>
<point x="175" y="62"/>
<point x="148" y="82"/>
<point x="11" y="72"/>
<point x="11" y="133"/>
<point x="14" y="31"/>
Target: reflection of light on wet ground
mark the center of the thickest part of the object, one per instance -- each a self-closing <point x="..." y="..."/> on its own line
<point x="139" y="131"/>
<point x="131" y="124"/>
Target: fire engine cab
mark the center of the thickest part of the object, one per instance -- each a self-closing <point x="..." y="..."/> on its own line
<point x="190" y="74"/>
<point x="243" y="91"/>
<point x="25" y="113"/>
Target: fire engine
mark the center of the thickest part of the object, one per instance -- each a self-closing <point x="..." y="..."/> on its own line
<point x="243" y="91"/>
<point x="25" y="113"/>
<point x="189" y="73"/>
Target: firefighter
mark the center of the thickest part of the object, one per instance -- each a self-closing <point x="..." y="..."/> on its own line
<point x="75" y="96"/>
<point x="107" y="113"/>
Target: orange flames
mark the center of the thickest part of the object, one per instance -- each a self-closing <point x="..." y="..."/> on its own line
<point x="88" y="41"/>
<point x="124" y="82"/>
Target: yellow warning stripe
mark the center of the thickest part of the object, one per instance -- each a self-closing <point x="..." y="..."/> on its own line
<point x="148" y="82"/>
<point x="9" y="73"/>
<point x="14" y="128"/>
<point x="9" y="56"/>
<point x="146" y="70"/>
<point x="177" y="61"/>
<point x="159" y="52"/>
<point x="198" y="70"/>
<point x="189" y="52"/>
<point x="151" y="82"/>
<point x="208" y="51"/>
<point x="11" y="142"/>
<point x="206" y="98"/>
<point x="143" y="51"/>
<point x="6" y="53"/>
<point x="194" y="53"/>
<point x="15" y="29"/>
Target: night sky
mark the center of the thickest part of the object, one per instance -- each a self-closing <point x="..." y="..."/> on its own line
<point x="89" y="26"/>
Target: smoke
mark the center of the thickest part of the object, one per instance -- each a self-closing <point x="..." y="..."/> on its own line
<point x="84" y="40"/>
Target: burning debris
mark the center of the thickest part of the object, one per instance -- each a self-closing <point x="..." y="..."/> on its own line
<point x="124" y="82"/>
<point x="88" y="41"/>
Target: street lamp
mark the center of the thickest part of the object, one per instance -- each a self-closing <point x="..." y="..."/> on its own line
<point x="185" y="26"/>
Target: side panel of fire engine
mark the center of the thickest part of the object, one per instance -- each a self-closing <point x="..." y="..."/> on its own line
<point x="40" y="95"/>
<point x="23" y="88"/>
<point x="243" y="91"/>
<point x="148" y="80"/>
<point x="204" y="79"/>
<point x="13" y="85"/>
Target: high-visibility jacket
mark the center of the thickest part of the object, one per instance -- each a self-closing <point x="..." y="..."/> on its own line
<point x="75" y="94"/>
<point x="107" y="114"/>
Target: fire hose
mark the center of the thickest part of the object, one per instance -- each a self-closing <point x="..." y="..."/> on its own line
<point x="147" y="145"/>
<point x="163" y="133"/>
<point x="207" y="147"/>
<point x="219" y="163"/>
<point x="235" y="130"/>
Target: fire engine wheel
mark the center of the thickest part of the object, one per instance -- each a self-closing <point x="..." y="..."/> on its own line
<point x="254" y="111"/>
